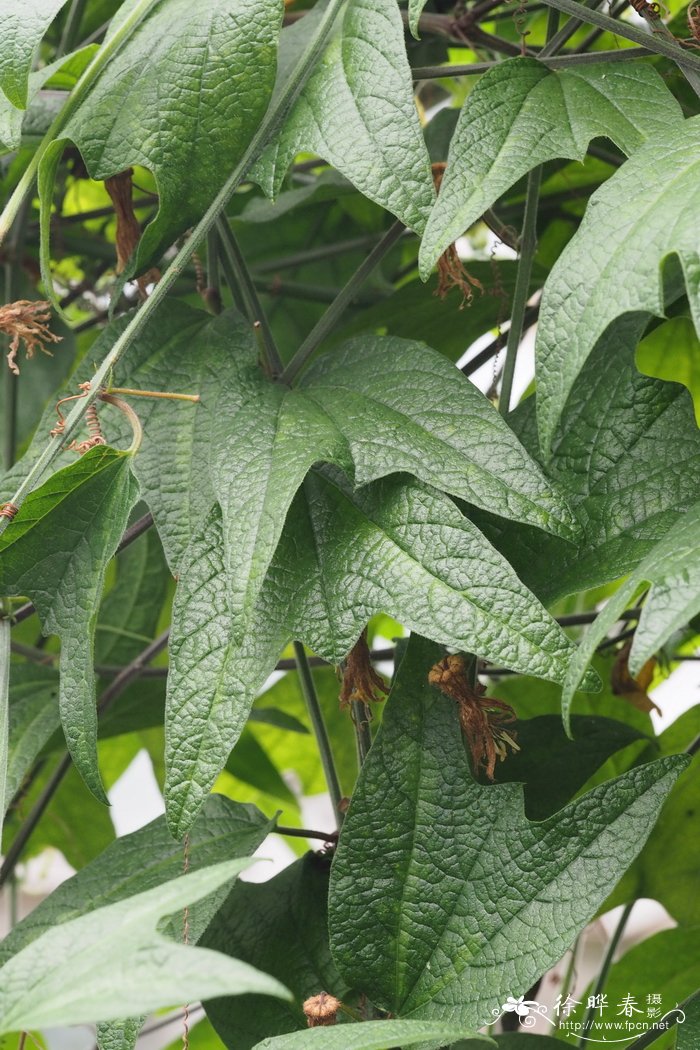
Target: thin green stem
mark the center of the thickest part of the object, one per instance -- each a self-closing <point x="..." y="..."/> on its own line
<point x="79" y="92"/>
<point x="309" y="255"/>
<point x="319" y="727"/>
<point x="71" y="27"/>
<point x="253" y="309"/>
<point x="267" y="127"/>
<point x="628" y="54"/>
<point x="528" y="246"/>
<point x="566" y="984"/>
<point x="5" y="639"/>
<point x="341" y="302"/>
<point x="605" y="970"/>
<point x="363" y="733"/>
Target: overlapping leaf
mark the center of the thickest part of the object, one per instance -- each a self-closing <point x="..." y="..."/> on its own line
<point x="33" y="719"/>
<point x="55" y="552"/>
<point x="395" y="546"/>
<point x="521" y="114"/>
<point x="612" y="266"/>
<point x="67" y="975"/>
<point x="375" y="1035"/>
<point x="23" y="26"/>
<point x="444" y="899"/>
<point x="178" y="98"/>
<point x="357" y="112"/>
<point x="627" y="453"/>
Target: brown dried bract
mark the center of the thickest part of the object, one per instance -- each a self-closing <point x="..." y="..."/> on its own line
<point x="321" y="1009"/>
<point x="360" y="680"/>
<point x="634" y="690"/>
<point x="451" y="269"/>
<point x="482" y="717"/>
<point x="27" y="322"/>
<point x="120" y="189"/>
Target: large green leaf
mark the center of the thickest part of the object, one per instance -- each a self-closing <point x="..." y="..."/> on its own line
<point x="444" y="898"/>
<point x="55" y="551"/>
<point x="627" y="453"/>
<point x="69" y="974"/>
<point x="357" y="112"/>
<point x="183" y="97"/>
<point x="280" y="927"/>
<point x="23" y="26"/>
<point x="374" y="1035"/>
<point x="521" y="114"/>
<point x="612" y="266"/>
<point x="395" y="546"/>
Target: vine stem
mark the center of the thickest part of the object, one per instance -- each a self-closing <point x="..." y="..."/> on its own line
<point x="5" y="639"/>
<point x="628" y="54"/>
<point x="528" y="246"/>
<point x="605" y="969"/>
<point x="319" y="726"/>
<point x="275" y="114"/>
<point x="79" y="92"/>
<point x="341" y="302"/>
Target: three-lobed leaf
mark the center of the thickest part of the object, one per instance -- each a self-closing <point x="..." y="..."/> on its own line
<point x="521" y="114"/>
<point x="55" y="552"/>
<point x="444" y="898"/>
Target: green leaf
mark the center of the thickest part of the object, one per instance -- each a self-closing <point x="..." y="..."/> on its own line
<point x="395" y="546"/>
<point x="119" y="1035"/>
<point x="444" y="898"/>
<point x="357" y="112"/>
<point x="178" y="98"/>
<point x="415" y="10"/>
<point x="403" y="407"/>
<point x="5" y="791"/>
<point x="372" y="1035"/>
<point x="280" y="927"/>
<point x="672" y="352"/>
<point x="68" y="974"/>
<point x="612" y="265"/>
<point x="627" y="454"/>
<point x="34" y="717"/>
<point x="55" y="551"/>
<point x="521" y="114"/>
<point x="23" y="27"/>
<point x="141" y="861"/>
<point x="251" y="763"/>
<point x="672" y="568"/>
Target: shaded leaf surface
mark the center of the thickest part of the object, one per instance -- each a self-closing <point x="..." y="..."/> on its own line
<point x="68" y="974"/>
<point x="372" y="1035"/>
<point x="33" y="719"/>
<point x="357" y="112"/>
<point x="22" y="29"/>
<point x="280" y="927"/>
<point x="444" y="899"/>
<point x="55" y="552"/>
<point x="612" y="265"/>
<point x="521" y="114"/>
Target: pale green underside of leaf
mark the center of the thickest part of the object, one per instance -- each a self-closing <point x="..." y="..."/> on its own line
<point x="374" y="1035"/>
<point x="672" y="568"/>
<point x="55" y="552"/>
<point x="119" y="1035"/>
<point x="86" y="969"/>
<point x="612" y="266"/>
<point x="11" y="118"/>
<point x="444" y="898"/>
<point x="415" y="10"/>
<point x="627" y="452"/>
<point x="521" y="114"/>
<point x="178" y="98"/>
<point x="395" y="546"/>
<point x="23" y="26"/>
<point x="357" y="112"/>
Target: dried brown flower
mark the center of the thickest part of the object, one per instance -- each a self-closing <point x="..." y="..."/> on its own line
<point x="120" y="189"/>
<point x="27" y="322"/>
<point x="482" y="717"/>
<point x="634" y="690"/>
<point x="451" y="270"/>
<point x="321" y="1009"/>
<point x="360" y="680"/>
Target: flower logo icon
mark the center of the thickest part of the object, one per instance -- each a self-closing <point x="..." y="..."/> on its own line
<point x="516" y="1006"/>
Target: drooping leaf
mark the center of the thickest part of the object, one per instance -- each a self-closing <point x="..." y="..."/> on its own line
<point x="627" y="453"/>
<point x="395" y="546"/>
<point x="374" y="1035"/>
<point x="22" y="29"/>
<point x="459" y="901"/>
<point x="357" y="112"/>
<point x="672" y="568"/>
<point x="521" y="114"/>
<point x="415" y="9"/>
<point x="177" y="98"/>
<point x="141" y="861"/>
<point x="612" y="266"/>
<point x="67" y="975"/>
<point x="55" y="552"/>
<point x="280" y="927"/>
